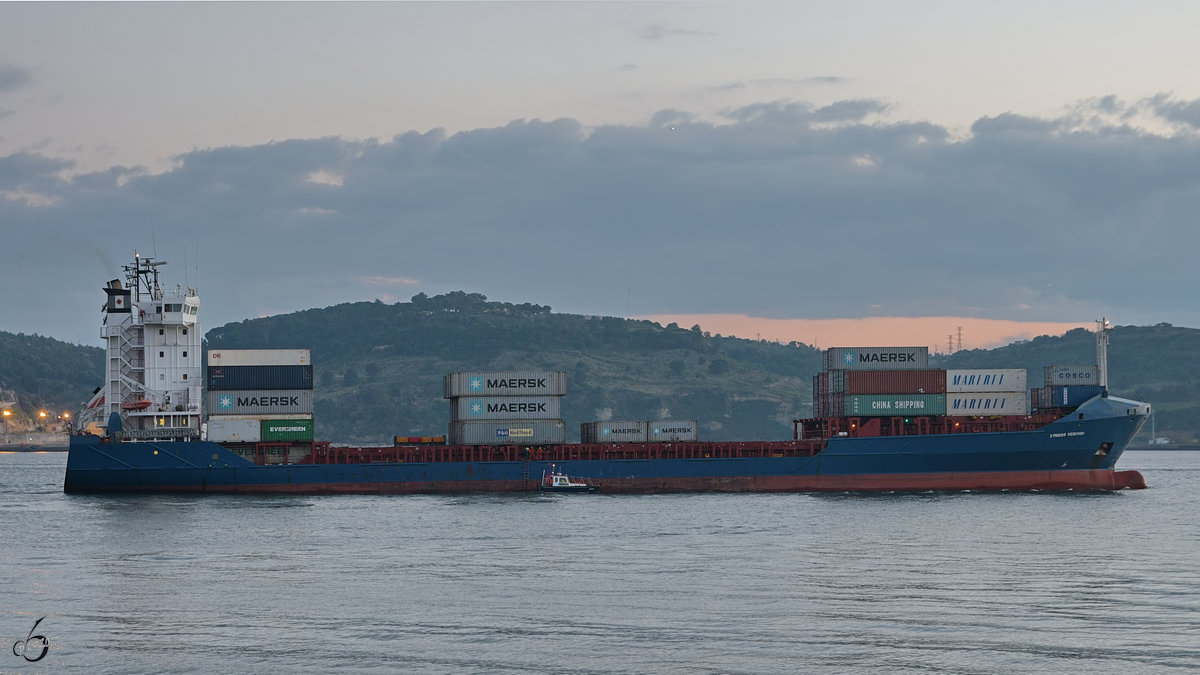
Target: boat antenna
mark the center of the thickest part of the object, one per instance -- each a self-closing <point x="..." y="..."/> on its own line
<point x="1102" y="326"/>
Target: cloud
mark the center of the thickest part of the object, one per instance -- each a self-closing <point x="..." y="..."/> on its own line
<point x="658" y="31"/>
<point x="13" y="77"/>
<point x="777" y="209"/>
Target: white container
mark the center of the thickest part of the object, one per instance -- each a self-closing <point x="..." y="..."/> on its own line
<point x="506" y="408"/>
<point x="659" y="431"/>
<point x="986" y="403"/>
<point x="508" y="383"/>
<point x="225" y="430"/>
<point x="1056" y="375"/>
<point x="259" y="357"/>
<point x="613" y="432"/>
<point x="986" y="380"/>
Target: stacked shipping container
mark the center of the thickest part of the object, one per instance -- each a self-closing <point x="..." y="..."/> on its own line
<point x="501" y="408"/>
<point x="986" y="392"/>
<point x="1067" y="387"/>
<point x="654" y="431"/>
<point x="259" y="395"/>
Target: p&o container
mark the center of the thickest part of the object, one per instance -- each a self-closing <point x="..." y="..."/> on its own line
<point x="495" y="432"/>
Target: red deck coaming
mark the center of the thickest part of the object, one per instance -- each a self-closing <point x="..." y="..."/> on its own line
<point x="992" y="481"/>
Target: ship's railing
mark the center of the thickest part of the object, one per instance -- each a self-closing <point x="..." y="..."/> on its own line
<point x="867" y="427"/>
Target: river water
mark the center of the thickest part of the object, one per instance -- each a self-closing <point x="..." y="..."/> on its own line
<point x="746" y="583"/>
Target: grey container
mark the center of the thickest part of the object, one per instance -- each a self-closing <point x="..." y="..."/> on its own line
<point x="876" y="358"/>
<point x="527" y="432"/>
<point x="233" y="430"/>
<point x="1058" y="375"/>
<point x="260" y="402"/>
<point x="613" y="432"/>
<point x="985" y="380"/>
<point x="684" y="431"/>
<point x="505" y="383"/>
<point x="506" y="408"/>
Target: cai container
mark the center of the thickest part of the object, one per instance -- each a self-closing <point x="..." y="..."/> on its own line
<point x="505" y="383"/>
<point x="259" y="357"/>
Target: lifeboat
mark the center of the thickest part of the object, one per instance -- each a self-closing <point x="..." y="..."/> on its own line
<point x="136" y="405"/>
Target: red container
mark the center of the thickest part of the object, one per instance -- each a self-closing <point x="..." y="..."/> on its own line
<point x="895" y="382"/>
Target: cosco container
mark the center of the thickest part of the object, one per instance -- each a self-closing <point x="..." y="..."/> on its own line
<point x="876" y="358"/>
<point x="613" y="432"/>
<point x="247" y="378"/>
<point x="527" y="432"/>
<point x="987" y="403"/>
<point x="985" y="380"/>
<point x="887" y="381"/>
<point x="667" y="431"/>
<point x="506" y="408"/>
<point x="259" y="357"/>
<point x="1056" y="375"/>
<point x="260" y="402"/>
<point x="287" y="430"/>
<point x="871" y="405"/>
<point x="509" y="383"/>
<point x="233" y="430"/>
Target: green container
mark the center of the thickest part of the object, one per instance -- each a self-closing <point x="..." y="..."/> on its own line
<point x="886" y="405"/>
<point x="292" y="430"/>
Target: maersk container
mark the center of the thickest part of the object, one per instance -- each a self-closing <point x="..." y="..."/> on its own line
<point x="986" y="380"/>
<point x="221" y="430"/>
<point x="887" y="381"/>
<point x="287" y="430"/>
<point x="1057" y="375"/>
<point x="987" y="403"/>
<point x="613" y="432"/>
<point x="259" y="357"/>
<point x="526" y="432"/>
<point x="248" y="378"/>
<point x="506" y="408"/>
<point x="876" y="358"/>
<point x="1072" y="395"/>
<point x="508" y="383"/>
<point x="668" y="431"/>
<point x="889" y="405"/>
<point x="260" y="402"/>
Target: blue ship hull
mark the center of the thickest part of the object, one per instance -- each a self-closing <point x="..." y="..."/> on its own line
<point x="1076" y="452"/>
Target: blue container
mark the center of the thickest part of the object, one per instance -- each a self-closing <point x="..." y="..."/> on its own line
<point x="1071" y="395"/>
<point x="247" y="378"/>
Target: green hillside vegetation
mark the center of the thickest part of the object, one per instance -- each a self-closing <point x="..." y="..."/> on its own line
<point x="42" y="373"/>
<point x="379" y="367"/>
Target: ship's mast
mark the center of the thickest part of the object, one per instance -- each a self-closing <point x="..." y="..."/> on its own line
<point x="1102" y="326"/>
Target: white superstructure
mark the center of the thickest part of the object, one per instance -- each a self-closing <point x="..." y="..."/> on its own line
<point x="153" y="362"/>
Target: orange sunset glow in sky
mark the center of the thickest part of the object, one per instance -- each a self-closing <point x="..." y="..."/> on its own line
<point x="932" y="331"/>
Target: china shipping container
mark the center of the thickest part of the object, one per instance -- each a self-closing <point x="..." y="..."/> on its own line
<point x="259" y="357"/>
<point x="506" y="408"/>
<point x="889" y="405"/>
<point x="887" y="381"/>
<point x="876" y="358"/>
<point x="613" y="432"/>
<point x="1056" y="375"/>
<point x="508" y="383"/>
<point x="527" y="432"/>
<point x="287" y="430"/>
<point x="233" y="430"/>
<point x="986" y="380"/>
<point x="672" y="431"/>
<point x="260" y="402"/>
<point x="247" y="378"/>
<point x="987" y="403"/>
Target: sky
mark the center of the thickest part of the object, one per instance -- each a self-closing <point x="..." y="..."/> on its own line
<point x="853" y="173"/>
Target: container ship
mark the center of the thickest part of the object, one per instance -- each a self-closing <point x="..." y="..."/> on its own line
<point x="165" y="421"/>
